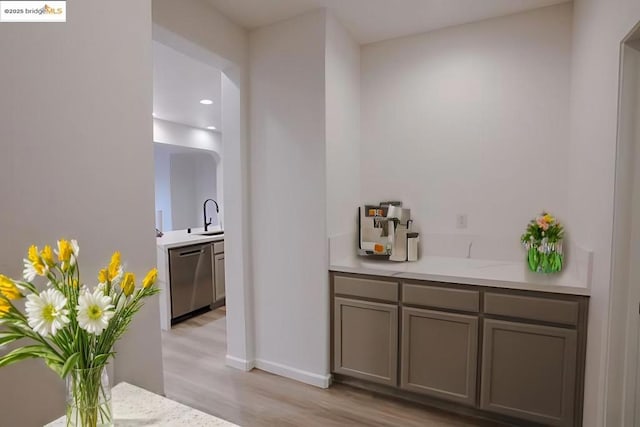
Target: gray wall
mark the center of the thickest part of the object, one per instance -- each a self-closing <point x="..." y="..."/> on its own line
<point x="77" y="162"/>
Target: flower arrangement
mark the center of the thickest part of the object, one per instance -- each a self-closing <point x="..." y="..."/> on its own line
<point x="543" y="242"/>
<point x="71" y="327"/>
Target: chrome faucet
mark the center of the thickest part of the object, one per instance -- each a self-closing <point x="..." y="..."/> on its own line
<point x="204" y="213"/>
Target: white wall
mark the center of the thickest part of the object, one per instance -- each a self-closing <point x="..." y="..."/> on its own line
<point x="471" y="119"/>
<point x="69" y="172"/>
<point x="162" y="185"/>
<point x="174" y="138"/>
<point x="196" y="28"/>
<point x="599" y="27"/>
<point x="193" y="180"/>
<point x="288" y="197"/>
<point x="343" y="128"/>
<point x="624" y="270"/>
<point x="166" y="132"/>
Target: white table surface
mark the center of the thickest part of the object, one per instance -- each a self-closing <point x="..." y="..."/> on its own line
<point x="135" y="407"/>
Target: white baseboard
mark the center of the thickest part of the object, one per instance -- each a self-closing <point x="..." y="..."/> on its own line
<point x="242" y="364"/>
<point x="322" y="381"/>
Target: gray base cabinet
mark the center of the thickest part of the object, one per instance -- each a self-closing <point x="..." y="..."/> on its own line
<point x="529" y="371"/>
<point x="366" y="340"/>
<point x="513" y="355"/>
<point x="439" y="354"/>
<point x="218" y="262"/>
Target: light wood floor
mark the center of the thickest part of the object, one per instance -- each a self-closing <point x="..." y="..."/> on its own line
<point x="195" y="374"/>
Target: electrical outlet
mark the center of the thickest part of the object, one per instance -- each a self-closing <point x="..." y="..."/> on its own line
<point x="461" y="221"/>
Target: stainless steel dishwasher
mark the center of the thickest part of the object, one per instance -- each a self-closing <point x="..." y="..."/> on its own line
<point x="191" y="279"/>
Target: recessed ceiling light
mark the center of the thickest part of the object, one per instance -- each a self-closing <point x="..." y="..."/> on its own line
<point x="211" y="127"/>
<point x="206" y="101"/>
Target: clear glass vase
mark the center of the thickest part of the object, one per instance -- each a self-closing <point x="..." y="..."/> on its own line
<point x="89" y="398"/>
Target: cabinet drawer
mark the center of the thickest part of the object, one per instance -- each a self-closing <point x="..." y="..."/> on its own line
<point x="534" y="308"/>
<point x="218" y="247"/>
<point x="441" y="297"/>
<point x="365" y="288"/>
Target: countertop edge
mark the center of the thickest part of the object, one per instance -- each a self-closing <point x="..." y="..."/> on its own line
<point x="191" y="241"/>
<point x="499" y="284"/>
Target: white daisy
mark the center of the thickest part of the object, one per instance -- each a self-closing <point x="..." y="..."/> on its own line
<point x="76" y="251"/>
<point x="94" y="311"/>
<point x="29" y="273"/>
<point x="47" y="312"/>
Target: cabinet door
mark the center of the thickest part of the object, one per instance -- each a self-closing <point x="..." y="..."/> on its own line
<point x="219" y="276"/>
<point x="528" y="371"/>
<point x="439" y="354"/>
<point x="366" y="340"/>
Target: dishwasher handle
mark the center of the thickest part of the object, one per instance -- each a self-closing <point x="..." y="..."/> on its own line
<point x="191" y="253"/>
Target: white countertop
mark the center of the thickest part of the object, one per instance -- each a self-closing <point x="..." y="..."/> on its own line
<point x="175" y="239"/>
<point x="136" y="407"/>
<point x="498" y="274"/>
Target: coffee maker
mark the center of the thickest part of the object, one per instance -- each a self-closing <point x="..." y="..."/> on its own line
<point x="383" y="230"/>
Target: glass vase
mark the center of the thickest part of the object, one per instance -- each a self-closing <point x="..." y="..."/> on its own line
<point x="545" y="257"/>
<point x="89" y="398"/>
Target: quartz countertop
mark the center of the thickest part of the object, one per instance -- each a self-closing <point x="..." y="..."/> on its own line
<point x="498" y="274"/>
<point x="136" y="407"/>
<point x="177" y="238"/>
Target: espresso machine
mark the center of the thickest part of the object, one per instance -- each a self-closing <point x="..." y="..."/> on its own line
<point x="383" y="230"/>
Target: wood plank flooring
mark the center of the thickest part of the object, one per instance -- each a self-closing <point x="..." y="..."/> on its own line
<point x="195" y="374"/>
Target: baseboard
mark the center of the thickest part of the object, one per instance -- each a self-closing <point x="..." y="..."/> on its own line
<point x="242" y="364"/>
<point x="322" y="381"/>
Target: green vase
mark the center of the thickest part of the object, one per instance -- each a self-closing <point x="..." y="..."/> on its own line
<point x="89" y="398"/>
<point x="545" y="258"/>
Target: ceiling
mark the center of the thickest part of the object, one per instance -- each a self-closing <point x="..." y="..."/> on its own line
<point x="374" y="20"/>
<point x="179" y="83"/>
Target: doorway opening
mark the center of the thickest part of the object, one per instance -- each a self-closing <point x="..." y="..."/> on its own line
<point x="624" y="345"/>
<point x="197" y="116"/>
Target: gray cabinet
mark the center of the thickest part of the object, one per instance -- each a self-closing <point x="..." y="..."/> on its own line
<point x="514" y="355"/>
<point x="218" y="268"/>
<point x="217" y="261"/>
<point x="439" y="354"/>
<point x="366" y="340"/>
<point x="529" y="371"/>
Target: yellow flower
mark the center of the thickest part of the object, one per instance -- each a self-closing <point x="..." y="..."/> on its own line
<point x="8" y="288"/>
<point x="128" y="284"/>
<point x="47" y="256"/>
<point x="64" y="251"/>
<point x="114" y="266"/>
<point x="548" y="219"/>
<point x="36" y="261"/>
<point x="67" y="253"/>
<point x="150" y="278"/>
<point x="5" y="307"/>
<point x="102" y="276"/>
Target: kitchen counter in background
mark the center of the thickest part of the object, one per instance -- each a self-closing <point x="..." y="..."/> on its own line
<point x="170" y="240"/>
<point x="574" y="280"/>
<point x="178" y="238"/>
